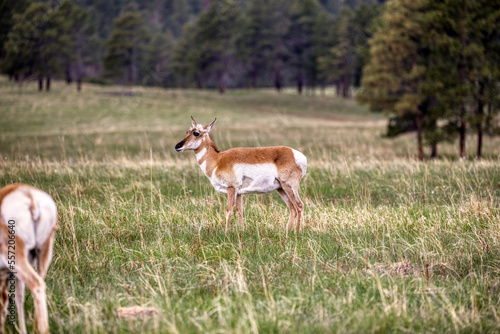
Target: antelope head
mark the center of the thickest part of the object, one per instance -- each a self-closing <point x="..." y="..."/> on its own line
<point x="194" y="136"/>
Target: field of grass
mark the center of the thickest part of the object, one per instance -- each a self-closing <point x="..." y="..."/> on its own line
<point x="388" y="244"/>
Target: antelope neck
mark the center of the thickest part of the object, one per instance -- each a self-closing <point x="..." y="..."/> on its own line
<point x="208" y="144"/>
<point x="206" y="155"/>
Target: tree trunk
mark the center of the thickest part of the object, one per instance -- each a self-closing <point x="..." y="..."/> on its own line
<point x="254" y="79"/>
<point x="40" y="83"/>
<point x="79" y="76"/>
<point x="462" y="131"/>
<point x="479" y="121"/>
<point x="434" y="148"/>
<point x="222" y="82"/>
<point x="346" y="86"/>
<point x="463" y="111"/>
<point x="199" y="84"/>
<point x="130" y="70"/>
<point x="420" y="149"/>
<point x="67" y="74"/>
<point x="79" y="64"/>
<point x="277" y="79"/>
<point x="300" y="81"/>
<point x="47" y="83"/>
<point x="222" y="88"/>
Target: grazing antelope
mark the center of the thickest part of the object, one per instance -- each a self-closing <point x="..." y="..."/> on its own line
<point x="240" y="171"/>
<point x="27" y="226"/>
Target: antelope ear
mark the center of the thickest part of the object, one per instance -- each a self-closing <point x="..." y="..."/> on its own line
<point x="193" y="122"/>
<point x="209" y="126"/>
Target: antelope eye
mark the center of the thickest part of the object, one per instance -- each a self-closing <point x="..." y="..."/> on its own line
<point x="196" y="134"/>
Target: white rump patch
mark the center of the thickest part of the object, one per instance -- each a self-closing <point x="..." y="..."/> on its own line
<point x="16" y="208"/>
<point x="301" y="160"/>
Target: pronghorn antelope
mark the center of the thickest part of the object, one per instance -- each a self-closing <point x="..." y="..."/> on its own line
<point x="27" y="226"/>
<point x="240" y="171"/>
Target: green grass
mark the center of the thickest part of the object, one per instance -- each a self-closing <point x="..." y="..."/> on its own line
<point x="388" y="244"/>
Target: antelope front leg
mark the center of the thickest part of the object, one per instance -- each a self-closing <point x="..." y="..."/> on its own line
<point x="231" y="198"/>
<point x="239" y="209"/>
<point x="45" y="255"/>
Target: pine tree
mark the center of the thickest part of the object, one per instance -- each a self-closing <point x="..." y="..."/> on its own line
<point x="38" y="41"/>
<point x="324" y="38"/>
<point x="391" y="80"/>
<point x="177" y="15"/>
<point x="189" y="62"/>
<point x="158" y="62"/>
<point x="364" y="24"/>
<point x="261" y="42"/>
<point x="9" y="10"/>
<point x="453" y="49"/>
<point x="76" y="22"/>
<point x="464" y="44"/>
<point x="128" y="38"/>
<point x="341" y="59"/>
<point x="215" y="34"/>
<point x="346" y="51"/>
<point x="303" y="14"/>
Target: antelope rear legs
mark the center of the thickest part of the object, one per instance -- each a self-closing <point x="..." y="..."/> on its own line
<point x="289" y="193"/>
<point x="291" y="207"/>
<point x="239" y="209"/>
<point x="36" y="284"/>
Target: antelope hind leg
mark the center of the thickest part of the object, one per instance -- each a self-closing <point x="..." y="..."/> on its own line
<point x="239" y="209"/>
<point x="291" y="207"/>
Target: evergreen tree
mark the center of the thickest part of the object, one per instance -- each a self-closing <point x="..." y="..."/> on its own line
<point x="463" y="38"/>
<point x="9" y="10"/>
<point x="189" y="62"/>
<point x="128" y="38"/>
<point x="364" y="23"/>
<point x="158" y="62"/>
<point x="76" y="22"/>
<point x="332" y="6"/>
<point x="339" y="62"/>
<point x="324" y="38"/>
<point x="303" y="14"/>
<point x="215" y="35"/>
<point x="178" y="13"/>
<point x="261" y="43"/>
<point x="392" y="79"/>
<point x="39" y="40"/>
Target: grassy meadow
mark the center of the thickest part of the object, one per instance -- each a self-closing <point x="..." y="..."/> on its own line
<point x="388" y="244"/>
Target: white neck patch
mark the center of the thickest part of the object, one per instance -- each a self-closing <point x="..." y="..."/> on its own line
<point x="200" y="154"/>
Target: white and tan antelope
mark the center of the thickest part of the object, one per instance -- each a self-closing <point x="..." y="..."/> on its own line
<point x="28" y="220"/>
<point x="240" y="171"/>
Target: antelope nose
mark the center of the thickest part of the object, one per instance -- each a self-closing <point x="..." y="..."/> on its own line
<point x="178" y="147"/>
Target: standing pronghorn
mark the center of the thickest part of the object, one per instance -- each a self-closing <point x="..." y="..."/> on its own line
<point x="239" y="171"/>
<point x="28" y="219"/>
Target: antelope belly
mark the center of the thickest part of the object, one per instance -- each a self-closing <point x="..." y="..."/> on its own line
<point x="256" y="179"/>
